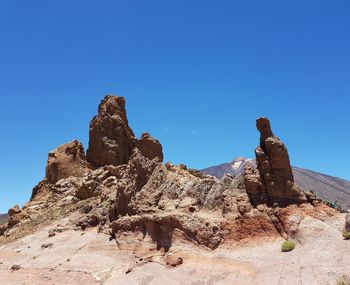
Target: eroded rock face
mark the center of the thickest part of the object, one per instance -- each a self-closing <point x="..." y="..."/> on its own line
<point x="134" y="177"/>
<point x="150" y="147"/>
<point x="111" y="140"/>
<point x="273" y="181"/>
<point x="175" y="199"/>
<point x="173" y="260"/>
<point x="14" y="211"/>
<point x="67" y="160"/>
<point x="16" y="216"/>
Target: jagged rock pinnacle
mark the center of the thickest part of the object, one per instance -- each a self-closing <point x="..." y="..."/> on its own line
<point x="264" y="127"/>
<point x="67" y="160"/>
<point x="150" y="147"/>
<point x="273" y="181"/>
<point x="111" y="139"/>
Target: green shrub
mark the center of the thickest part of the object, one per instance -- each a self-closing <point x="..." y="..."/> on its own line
<point x="343" y="280"/>
<point x="346" y="235"/>
<point x="287" y="245"/>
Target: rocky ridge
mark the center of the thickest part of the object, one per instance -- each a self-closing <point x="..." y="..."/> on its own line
<point x="122" y="187"/>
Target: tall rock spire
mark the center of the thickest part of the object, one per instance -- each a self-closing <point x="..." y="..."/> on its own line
<point x="273" y="181"/>
<point x="111" y="139"/>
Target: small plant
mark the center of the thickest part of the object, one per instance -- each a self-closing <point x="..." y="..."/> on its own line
<point x="343" y="280"/>
<point x="346" y="235"/>
<point x="287" y="245"/>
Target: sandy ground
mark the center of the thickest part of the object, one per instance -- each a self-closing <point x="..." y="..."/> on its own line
<point x="76" y="257"/>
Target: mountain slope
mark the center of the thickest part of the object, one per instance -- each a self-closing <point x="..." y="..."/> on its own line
<point x="3" y="218"/>
<point x="324" y="186"/>
<point x="235" y="168"/>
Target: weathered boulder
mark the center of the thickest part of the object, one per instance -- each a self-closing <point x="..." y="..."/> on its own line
<point x="14" y="211"/>
<point x="13" y="220"/>
<point x="173" y="260"/>
<point x="15" y="267"/>
<point x="273" y="181"/>
<point x="67" y="160"/>
<point x="16" y="215"/>
<point x="111" y="140"/>
<point x="150" y="147"/>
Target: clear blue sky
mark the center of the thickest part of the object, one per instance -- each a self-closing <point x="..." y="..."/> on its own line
<point x="195" y="74"/>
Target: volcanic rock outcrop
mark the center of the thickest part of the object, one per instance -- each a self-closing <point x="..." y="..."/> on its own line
<point x="125" y="190"/>
<point x="272" y="182"/>
<point x="15" y="216"/>
<point x="111" y="139"/>
<point x="150" y="147"/>
<point x="67" y="160"/>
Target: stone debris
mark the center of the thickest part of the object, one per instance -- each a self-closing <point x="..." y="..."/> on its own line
<point x="16" y="267"/>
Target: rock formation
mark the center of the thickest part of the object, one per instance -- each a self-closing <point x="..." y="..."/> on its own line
<point x="272" y="182"/>
<point x="158" y="212"/>
<point x="111" y="140"/>
<point x="67" y="160"/>
<point x="15" y="216"/>
<point x="173" y="200"/>
<point x="150" y="147"/>
<point x="124" y="189"/>
<point x="14" y="211"/>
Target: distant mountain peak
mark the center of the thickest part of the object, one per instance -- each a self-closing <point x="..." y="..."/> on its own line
<point x="239" y="158"/>
<point x="234" y="168"/>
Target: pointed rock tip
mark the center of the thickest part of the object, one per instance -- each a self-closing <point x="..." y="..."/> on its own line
<point x="112" y="96"/>
<point x="66" y="160"/>
<point x="150" y="147"/>
<point x="111" y="104"/>
<point x="111" y="140"/>
<point x="264" y="127"/>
